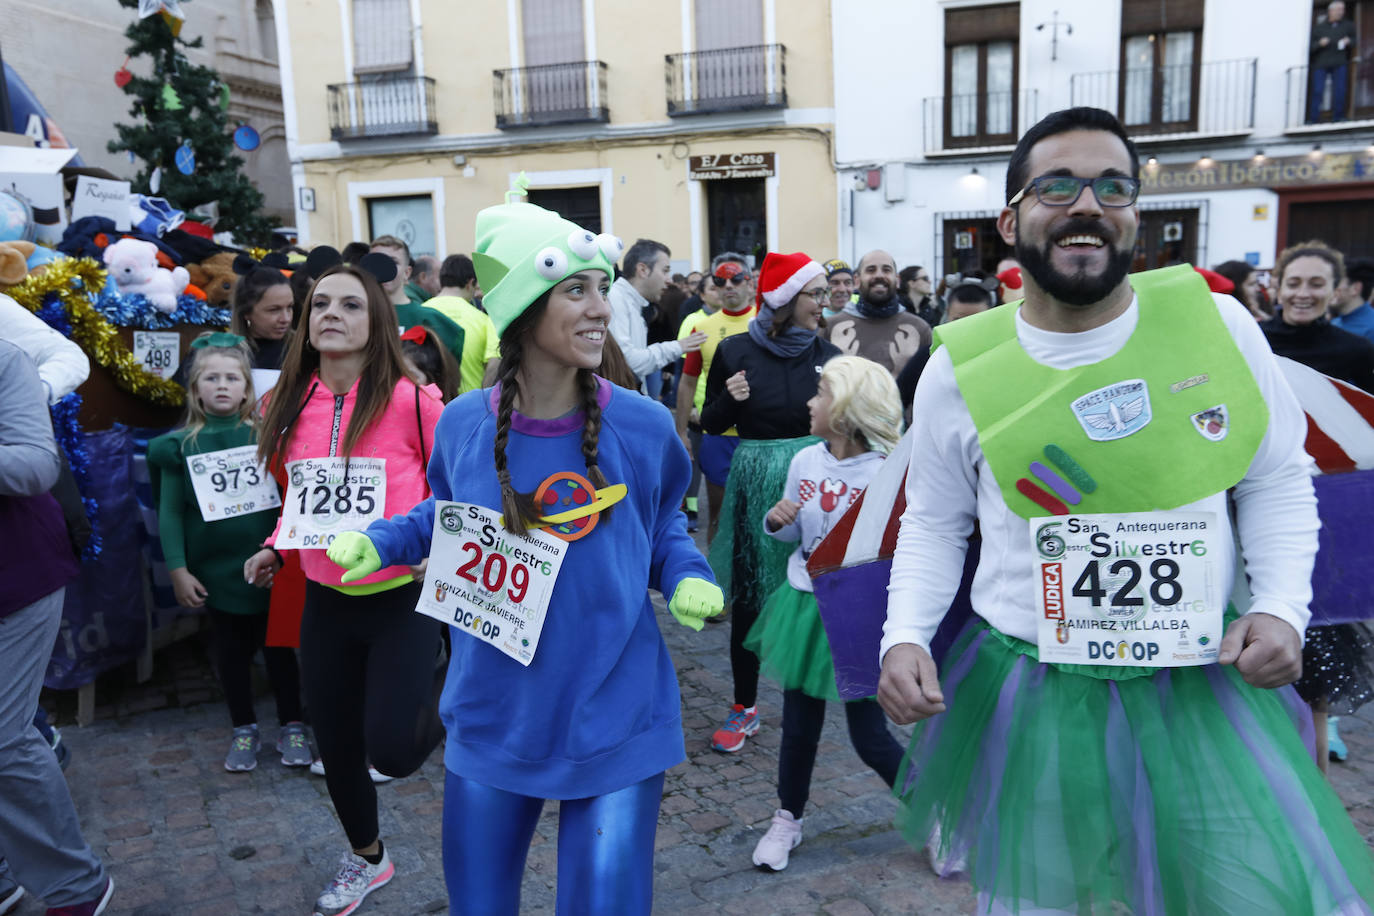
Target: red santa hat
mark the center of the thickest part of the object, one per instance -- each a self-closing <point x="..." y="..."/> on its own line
<point x="1011" y="278"/>
<point x="782" y="276"/>
<point x="1216" y="282"/>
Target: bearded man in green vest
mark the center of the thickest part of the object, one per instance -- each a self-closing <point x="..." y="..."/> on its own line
<point x="1111" y="729"/>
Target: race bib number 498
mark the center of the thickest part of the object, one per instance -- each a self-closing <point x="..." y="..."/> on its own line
<point x="1128" y="589"/>
<point x="326" y="496"/>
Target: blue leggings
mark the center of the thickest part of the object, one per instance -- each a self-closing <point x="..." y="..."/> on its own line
<point x="605" y="848"/>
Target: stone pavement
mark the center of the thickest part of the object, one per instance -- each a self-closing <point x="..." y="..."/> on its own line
<point x="182" y="836"/>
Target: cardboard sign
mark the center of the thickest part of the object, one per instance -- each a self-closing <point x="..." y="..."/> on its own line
<point x="101" y="197"/>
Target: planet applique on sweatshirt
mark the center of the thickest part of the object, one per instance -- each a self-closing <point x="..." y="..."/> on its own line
<point x="570" y="506"/>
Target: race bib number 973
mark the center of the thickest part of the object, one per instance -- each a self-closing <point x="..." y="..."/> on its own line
<point x="1128" y="589"/>
<point x="488" y="583"/>
<point x="230" y="482"/>
<point x="326" y="496"/>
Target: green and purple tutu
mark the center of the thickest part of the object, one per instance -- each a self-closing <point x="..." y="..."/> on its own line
<point x="791" y="644"/>
<point x="1087" y="790"/>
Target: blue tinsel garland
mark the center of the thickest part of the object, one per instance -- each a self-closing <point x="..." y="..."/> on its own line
<point x="135" y="311"/>
<point x="67" y="429"/>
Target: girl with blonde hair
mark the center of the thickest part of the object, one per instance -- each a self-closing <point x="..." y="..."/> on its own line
<point x="858" y="414"/>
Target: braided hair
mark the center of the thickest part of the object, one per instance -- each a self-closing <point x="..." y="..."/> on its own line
<point x="518" y="510"/>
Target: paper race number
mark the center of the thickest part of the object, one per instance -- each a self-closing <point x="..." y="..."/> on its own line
<point x="159" y="352"/>
<point x="1128" y="589"/>
<point x="326" y="496"/>
<point x="230" y="482"/>
<point x="488" y="583"/>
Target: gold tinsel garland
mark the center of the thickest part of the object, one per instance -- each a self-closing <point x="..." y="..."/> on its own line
<point x="75" y="280"/>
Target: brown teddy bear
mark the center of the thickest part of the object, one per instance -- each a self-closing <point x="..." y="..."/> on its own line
<point x="14" y="262"/>
<point x="216" y="278"/>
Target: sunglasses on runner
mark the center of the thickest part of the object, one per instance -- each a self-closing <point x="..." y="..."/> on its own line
<point x="1064" y="190"/>
<point x="738" y="279"/>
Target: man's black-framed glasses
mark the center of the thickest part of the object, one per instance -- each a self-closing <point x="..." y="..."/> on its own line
<point x="1064" y="190"/>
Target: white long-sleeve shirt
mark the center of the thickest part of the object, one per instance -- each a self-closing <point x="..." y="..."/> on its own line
<point x="632" y="334"/>
<point x="62" y="366"/>
<point x="950" y="484"/>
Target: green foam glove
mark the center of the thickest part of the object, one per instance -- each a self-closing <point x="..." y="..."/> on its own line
<point x="694" y="599"/>
<point x="354" y="552"/>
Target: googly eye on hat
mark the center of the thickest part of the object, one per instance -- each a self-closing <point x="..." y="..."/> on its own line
<point x="583" y="244"/>
<point x="611" y="246"/>
<point x="551" y="264"/>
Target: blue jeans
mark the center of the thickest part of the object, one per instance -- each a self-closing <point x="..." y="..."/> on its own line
<point x="605" y="848"/>
<point x="1338" y="86"/>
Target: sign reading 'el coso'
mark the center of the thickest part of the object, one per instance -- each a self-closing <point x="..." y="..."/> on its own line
<point x="731" y="165"/>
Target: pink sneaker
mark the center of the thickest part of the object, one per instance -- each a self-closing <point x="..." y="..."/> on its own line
<point x="783" y="836"/>
<point x="90" y="907"/>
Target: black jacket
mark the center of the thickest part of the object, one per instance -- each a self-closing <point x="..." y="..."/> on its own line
<point x="778" y="389"/>
<point x="1326" y="348"/>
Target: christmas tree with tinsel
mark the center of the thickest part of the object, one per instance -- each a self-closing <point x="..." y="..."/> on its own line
<point x="181" y="107"/>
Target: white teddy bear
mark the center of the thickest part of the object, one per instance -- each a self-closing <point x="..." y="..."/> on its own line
<point x="133" y="268"/>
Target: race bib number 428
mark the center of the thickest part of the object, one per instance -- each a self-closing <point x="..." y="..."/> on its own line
<point x="326" y="496"/>
<point x="1128" y="589"/>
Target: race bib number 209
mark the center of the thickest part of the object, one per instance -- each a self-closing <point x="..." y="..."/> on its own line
<point x="1122" y="589"/>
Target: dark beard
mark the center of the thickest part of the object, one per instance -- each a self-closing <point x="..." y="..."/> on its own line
<point x="1080" y="289"/>
<point x="873" y="298"/>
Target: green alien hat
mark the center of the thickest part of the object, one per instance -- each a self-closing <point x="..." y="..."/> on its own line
<point x="524" y="250"/>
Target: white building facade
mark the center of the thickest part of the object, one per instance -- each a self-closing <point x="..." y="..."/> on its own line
<point x="931" y="96"/>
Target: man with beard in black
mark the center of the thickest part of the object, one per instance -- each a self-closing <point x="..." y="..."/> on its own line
<point x="877" y="327"/>
<point x="1108" y="403"/>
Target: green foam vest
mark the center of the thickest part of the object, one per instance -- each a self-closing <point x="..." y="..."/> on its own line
<point x="1173" y="417"/>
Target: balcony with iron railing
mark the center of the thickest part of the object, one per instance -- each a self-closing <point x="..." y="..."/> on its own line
<point x="390" y="106"/>
<point x="1332" y="109"/>
<point x="568" y="93"/>
<point x="963" y="122"/>
<point x="1210" y="99"/>
<point x="726" y="79"/>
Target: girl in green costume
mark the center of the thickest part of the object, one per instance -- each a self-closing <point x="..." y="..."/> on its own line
<point x="205" y="558"/>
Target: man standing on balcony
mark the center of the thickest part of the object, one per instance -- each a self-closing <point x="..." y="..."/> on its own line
<point x="644" y="277"/>
<point x="877" y="327"/>
<point x="1333" y="44"/>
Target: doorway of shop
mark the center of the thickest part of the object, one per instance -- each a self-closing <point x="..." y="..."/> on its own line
<point x="581" y="206"/>
<point x="737" y="217"/>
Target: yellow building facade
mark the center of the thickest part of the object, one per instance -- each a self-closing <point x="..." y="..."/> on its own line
<point x="703" y="124"/>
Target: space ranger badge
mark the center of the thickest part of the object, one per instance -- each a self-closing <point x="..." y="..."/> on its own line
<point x="1114" y="411"/>
<point x="1213" y="423"/>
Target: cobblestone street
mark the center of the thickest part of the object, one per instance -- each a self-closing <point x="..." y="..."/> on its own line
<point x="182" y="836"/>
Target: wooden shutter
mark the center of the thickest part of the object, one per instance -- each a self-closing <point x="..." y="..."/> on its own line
<point x="968" y="25"/>
<point x="1141" y="17"/>
<point x="728" y="24"/>
<point x="381" y="36"/>
<point x="553" y="32"/>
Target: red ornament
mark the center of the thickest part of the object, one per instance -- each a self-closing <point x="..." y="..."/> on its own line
<point x="122" y="77"/>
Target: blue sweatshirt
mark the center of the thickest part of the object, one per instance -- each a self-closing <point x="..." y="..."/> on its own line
<point x="598" y="708"/>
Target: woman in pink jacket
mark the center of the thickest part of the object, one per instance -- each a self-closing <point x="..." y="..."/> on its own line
<point x="350" y="432"/>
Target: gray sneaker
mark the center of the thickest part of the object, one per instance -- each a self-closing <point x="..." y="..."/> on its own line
<point x="293" y="745"/>
<point x="10" y="892"/>
<point x="356" y="879"/>
<point x="243" y="752"/>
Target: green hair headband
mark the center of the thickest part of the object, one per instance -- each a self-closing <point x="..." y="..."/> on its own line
<point x="523" y="251"/>
<point x="216" y="339"/>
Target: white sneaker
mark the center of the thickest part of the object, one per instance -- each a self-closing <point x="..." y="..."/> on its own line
<point x="944" y="864"/>
<point x="783" y="836"/>
<point x="378" y="777"/>
<point x="356" y="879"/>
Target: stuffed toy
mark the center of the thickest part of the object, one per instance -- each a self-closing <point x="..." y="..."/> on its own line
<point x="14" y="265"/>
<point x="216" y="278"/>
<point x="133" y="268"/>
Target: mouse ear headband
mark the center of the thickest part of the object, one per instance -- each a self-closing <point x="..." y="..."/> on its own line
<point x="245" y="264"/>
<point x="323" y="258"/>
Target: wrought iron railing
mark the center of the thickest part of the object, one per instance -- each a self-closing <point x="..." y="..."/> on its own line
<point x="990" y="119"/>
<point x="1215" y="97"/>
<point x="1327" y="108"/>
<point x="389" y="106"/>
<point x="726" y="79"/>
<point x="551" y="94"/>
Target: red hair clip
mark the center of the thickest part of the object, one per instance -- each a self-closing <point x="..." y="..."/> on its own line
<point x="417" y="334"/>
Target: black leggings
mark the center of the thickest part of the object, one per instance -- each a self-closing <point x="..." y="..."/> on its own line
<point x="744" y="610"/>
<point x="236" y="638"/>
<point x="803" y="717"/>
<point x="372" y="683"/>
